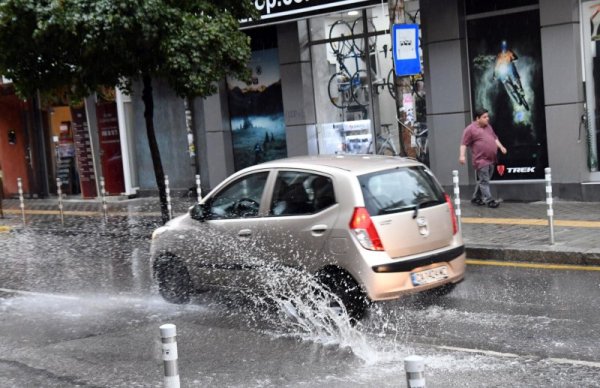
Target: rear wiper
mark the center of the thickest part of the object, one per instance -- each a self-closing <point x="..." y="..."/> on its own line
<point x="421" y="204"/>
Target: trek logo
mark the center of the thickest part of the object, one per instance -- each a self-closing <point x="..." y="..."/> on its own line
<point x="514" y="170"/>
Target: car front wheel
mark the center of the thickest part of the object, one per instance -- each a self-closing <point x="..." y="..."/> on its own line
<point x="174" y="282"/>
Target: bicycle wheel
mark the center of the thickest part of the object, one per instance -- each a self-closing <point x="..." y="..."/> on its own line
<point x="339" y="90"/>
<point x="359" y="41"/>
<point x="342" y="32"/>
<point x="359" y="88"/>
<point x="390" y="83"/>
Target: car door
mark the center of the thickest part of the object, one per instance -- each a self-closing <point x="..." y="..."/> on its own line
<point x="301" y="214"/>
<point x="232" y="214"/>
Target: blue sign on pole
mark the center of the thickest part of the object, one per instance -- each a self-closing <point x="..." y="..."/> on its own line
<point x="405" y="47"/>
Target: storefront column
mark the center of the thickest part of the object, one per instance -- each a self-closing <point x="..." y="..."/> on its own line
<point x="297" y="89"/>
<point x="124" y="115"/>
<point x="212" y="130"/>
<point x="563" y="94"/>
<point x="447" y="86"/>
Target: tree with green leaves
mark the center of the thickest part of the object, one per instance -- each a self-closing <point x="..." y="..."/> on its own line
<point x="81" y="45"/>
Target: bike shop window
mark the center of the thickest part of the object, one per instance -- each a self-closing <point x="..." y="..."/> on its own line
<point x="353" y="81"/>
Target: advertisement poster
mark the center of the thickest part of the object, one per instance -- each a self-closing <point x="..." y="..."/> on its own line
<point x="348" y="137"/>
<point x="110" y="147"/>
<point x="256" y="111"/>
<point x="506" y="79"/>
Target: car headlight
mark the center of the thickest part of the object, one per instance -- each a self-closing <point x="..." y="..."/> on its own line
<point x="157" y="232"/>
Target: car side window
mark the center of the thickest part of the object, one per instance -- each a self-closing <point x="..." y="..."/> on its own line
<point x="240" y="199"/>
<point x="300" y="193"/>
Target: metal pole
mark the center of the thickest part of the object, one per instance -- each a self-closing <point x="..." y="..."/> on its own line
<point x="549" y="201"/>
<point x="457" y="198"/>
<point x="198" y="188"/>
<point x="168" y="334"/>
<point x="60" y="201"/>
<point x="21" y="200"/>
<point x="396" y="13"/>
<point x="103" y="196"/>
<point x="415" y="371"/>
<point x="168" y="191"/>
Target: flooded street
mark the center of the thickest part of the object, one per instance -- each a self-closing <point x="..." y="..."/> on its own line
<point x="81" y="310"/>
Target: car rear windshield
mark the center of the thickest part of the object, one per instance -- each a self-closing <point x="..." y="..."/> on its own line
<point x="400" y="189"/>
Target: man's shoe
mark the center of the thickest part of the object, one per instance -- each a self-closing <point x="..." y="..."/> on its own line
<point x="477" y="202"/>
<point x="493" y="204"/>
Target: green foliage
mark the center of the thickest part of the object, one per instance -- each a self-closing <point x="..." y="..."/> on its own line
<point x="49" y="44"/>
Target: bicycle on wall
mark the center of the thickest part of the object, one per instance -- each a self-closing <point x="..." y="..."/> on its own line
<point x="346" y="88"/>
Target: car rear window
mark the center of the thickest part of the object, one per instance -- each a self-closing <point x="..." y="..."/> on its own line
<point x="400" y="189"/>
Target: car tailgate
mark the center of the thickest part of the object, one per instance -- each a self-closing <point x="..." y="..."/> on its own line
<point x="413" y="232"/>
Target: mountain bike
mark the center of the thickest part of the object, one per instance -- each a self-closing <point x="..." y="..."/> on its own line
<point x="345" y="88"/>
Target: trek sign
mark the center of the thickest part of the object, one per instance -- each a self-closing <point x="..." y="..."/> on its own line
<point x="274" y="11"/>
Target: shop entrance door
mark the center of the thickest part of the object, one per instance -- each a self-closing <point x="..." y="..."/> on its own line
<point x="110" y="147"/>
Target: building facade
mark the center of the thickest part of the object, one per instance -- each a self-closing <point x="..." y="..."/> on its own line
<point x="322" y="83"/>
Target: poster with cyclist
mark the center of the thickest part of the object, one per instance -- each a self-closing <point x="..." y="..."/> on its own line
<point x="506" y="78"/>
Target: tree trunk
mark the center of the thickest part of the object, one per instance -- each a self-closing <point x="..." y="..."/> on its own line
<point x="154" y="151"/>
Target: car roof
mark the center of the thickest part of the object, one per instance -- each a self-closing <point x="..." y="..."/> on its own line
<point x="356" y="164"/>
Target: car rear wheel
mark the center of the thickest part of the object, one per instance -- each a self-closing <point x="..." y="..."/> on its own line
<point x="174" y="282"/>
<point x="347" y="290"/>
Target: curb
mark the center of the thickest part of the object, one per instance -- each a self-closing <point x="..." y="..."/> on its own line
<point x="5" y="229"/>
<point x="533" y="255"/>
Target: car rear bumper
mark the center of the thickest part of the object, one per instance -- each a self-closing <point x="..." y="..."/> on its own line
<point x="394" y="280"/>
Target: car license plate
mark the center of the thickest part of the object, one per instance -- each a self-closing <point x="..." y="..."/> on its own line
<point x="429" y="276"/>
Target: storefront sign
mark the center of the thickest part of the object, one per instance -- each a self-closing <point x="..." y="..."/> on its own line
<point x="83" y="153"/>
<point x="405" y="46"/>
<point x="506" y="79"/>
<point x="272" y="11"/>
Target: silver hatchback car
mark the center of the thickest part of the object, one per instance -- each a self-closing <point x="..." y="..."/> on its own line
<point x="369" y="228"/>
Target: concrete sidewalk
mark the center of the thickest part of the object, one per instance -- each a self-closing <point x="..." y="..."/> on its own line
<point x="515" y="231"/>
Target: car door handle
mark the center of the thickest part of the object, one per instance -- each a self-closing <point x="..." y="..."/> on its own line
<point x="245" y="233"/>
<point x="318" y="230"/>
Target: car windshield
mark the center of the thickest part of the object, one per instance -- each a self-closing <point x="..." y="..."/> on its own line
<point x="400" y="189"/>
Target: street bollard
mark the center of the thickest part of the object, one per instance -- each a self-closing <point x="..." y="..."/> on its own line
<point x="457" y="198"/>
<point x="168" y="191"/>
<point x="21" y="200"/>
<point x="549" y="201"/>
<point x="60" y="201"/>
<point x="168" y="334"/>
<point x="198" y="189"/>
<point x="103" y="197"/>
<point x="415" y="371"/>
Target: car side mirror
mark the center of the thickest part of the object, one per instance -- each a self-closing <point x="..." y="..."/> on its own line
<point x="197" y="212"/>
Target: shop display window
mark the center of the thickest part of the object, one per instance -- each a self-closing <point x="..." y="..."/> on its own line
<point x="354" y="83"/>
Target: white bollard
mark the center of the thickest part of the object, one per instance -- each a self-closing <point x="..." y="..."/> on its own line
<point x="60" y="201"/>
<point x="457" y="198"/>
<point x="550" y="211"/>
<point x="168" y="191"/>
<point x="415" y="371"/>
<point x="168" y="334"/>
<point x="103" y="196"/>
<point x="21" y="200"/>
<point x="198" y="189"/>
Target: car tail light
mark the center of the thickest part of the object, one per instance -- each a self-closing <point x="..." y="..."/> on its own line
<point x="364" y="230"/>
<point x="452" y="214"/>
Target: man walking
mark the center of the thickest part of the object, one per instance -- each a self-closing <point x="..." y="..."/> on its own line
<point x="481" y="139"/>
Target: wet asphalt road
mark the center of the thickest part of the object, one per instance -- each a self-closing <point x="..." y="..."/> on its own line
<point x="81" y="311"/>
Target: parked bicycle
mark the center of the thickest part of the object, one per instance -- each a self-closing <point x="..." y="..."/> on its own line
<point x="346" y="88"/>
<point x="384" y="142"/>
